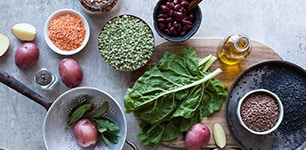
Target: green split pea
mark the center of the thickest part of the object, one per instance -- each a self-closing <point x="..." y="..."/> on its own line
<point x="126" y="43"/>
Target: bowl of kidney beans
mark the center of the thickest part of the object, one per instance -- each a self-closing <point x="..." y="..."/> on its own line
<point x="172" y="21"/>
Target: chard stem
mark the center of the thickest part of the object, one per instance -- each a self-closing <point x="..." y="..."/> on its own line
<point x="206" y="78"/>
<point x="209" y="63"/>
<point x="204" y="60"/>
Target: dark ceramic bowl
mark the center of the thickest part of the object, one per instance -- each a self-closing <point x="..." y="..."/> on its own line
<point x="196" y="24"/>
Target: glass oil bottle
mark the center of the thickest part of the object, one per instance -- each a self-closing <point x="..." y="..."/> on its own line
<point x="234" y="49"/>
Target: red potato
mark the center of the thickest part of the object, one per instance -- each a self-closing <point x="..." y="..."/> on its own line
<point x="70" y="72"/>
<point x="26" y="55"/>
<point x="85" y="133"/>
<point x="197" y="137"/>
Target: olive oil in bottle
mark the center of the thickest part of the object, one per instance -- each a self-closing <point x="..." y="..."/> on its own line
<point x="234" y="48"/>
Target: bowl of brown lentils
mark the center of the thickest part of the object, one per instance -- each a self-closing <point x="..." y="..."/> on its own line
<point x="126" y="42"/>
<point x="98" y="6"/>
<point x="260" y="111"/>
<point x="172" y="21"/>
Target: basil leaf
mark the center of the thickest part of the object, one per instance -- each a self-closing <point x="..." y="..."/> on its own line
<point x="102" y="129"/>
<point x="101" y="110"/>
<point x="105" y="140"/>
<point x="108" y="124"/>
<point x="112" y="137"/>
<point x="78" y="114"/>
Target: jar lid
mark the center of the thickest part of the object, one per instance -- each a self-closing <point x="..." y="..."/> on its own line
<point x="43" y="77"/>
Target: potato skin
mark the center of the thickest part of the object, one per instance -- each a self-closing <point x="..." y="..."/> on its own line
<point x="70" y="72"/>
<point x="197" y="137"/>
<point x="85" y="133"/>
<point x="26" y="55"/>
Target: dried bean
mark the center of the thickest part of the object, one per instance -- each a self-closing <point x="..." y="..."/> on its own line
<point x="174" y="18"/>
<point x="177" y="7"/>
<point x="184" y="3"/>
<point x="164" y="8"/>
<point x="176" y="1"/>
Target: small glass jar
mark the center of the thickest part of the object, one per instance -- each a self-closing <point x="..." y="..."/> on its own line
<point x="234" y="49"/>
<point x="98" y="6"/>
<point x="45" y="79"/>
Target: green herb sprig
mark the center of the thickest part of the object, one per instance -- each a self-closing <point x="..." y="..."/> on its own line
<point x="107" y="129"/>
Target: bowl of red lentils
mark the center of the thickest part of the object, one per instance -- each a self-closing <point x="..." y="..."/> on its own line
<point x="260" y="111"/>
<point x="66" y="32"/>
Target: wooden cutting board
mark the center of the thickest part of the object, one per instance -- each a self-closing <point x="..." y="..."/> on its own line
<point x="204" y="47"/>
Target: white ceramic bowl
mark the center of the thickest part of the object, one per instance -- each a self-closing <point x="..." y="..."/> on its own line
<point x="280" y="116"/>
<point x="50" y="43"/>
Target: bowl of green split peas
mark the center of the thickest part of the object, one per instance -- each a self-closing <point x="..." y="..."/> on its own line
<point x="126" y="42"/>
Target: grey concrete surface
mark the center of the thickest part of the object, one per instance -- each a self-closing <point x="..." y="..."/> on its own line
<point x="278" y="24"/>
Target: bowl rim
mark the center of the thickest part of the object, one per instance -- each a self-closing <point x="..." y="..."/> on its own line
<point x="177" y="39"/>
<point x="50" y="43"/>
<point x="280" y="117"/>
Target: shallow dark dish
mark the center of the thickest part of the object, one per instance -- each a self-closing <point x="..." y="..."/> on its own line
<point x="197" y="22"/>
<point x="286" y="80"/>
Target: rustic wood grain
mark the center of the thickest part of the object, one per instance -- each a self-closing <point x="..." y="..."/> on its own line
<point x="204" y="47"/>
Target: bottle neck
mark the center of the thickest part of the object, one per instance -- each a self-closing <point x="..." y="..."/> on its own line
<point x="242" y="43"/>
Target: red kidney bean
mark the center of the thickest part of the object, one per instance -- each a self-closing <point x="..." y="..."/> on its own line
<point x="176" y="1"/>
<point x="161" y="26"/>
<point x="167" y="31"/>
<point x="178" y="14"/>
<point x="170" y="5"/>
<point x="187" y="27"/>
<point x="185" y="22"/>
<point x="164" y="8"/>
<point x="191" y="17"/>
<point x="162" y="16"/>
<point x="169" y="19"/>
<point x="173" y="31"/>
<point x="183" y="33"/>
<point x="169" y="25"/>
<point x="163" y="20"/>
<point x="173" y="19"/>
<point x="177" y="7"/>
<point x="170" y="12"/>
<point x="184" y="3"/>
<point x="177" y="27"/>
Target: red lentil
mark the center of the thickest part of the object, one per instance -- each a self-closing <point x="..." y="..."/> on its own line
<point x="67" y="31"/>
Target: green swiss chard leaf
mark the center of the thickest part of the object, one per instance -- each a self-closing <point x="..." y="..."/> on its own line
<point x="188" y="107"/>
<point x="151" y="136"/>
<point x="158" y="110"/>
<point x="175" y="93"/>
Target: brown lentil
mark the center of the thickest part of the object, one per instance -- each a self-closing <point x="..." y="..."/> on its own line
<point x="98" y="6"/>
<point x="67" y="31"/>
<point x="259" y="111"/>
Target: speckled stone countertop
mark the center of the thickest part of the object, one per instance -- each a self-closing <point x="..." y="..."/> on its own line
<point x="278" y="24"/>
